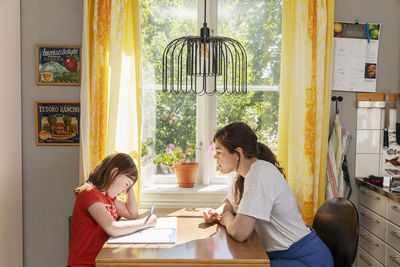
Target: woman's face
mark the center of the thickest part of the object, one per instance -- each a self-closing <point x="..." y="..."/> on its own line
<point x="226" y="161"/>
<point x="120" y="185"/>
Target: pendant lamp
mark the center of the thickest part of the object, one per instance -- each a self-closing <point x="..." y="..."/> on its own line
<point x="189" y="60"/>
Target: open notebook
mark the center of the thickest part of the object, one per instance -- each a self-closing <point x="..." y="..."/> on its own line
<point x="163" y="233"/>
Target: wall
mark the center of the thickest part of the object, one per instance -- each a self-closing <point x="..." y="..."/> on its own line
<point x="50" y="173"/>
<point x="10" y="141"/>
<point x="388" y="68"/>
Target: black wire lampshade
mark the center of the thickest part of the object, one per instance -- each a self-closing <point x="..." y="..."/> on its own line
<point x="221" y="58"/>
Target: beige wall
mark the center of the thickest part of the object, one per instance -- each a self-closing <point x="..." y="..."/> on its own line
<point x="50" y="173"/>
<point x="10" y="141"/>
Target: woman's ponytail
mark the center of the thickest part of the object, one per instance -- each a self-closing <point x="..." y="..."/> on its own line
<point x="264" y="153"/>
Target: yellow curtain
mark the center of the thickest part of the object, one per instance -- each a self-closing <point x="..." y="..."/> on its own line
<point x="307" y="35"/>
<point x="110" y="89"/>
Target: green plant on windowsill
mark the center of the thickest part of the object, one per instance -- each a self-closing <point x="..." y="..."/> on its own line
<point x="181" y="162"/>
<point x="175" y="155"/>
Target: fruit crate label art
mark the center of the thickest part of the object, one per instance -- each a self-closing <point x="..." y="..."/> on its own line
<point x="57" y="123"/>
<point x="58" y="64"/>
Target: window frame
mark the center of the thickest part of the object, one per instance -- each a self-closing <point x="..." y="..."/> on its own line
<point x="162" y="186"/>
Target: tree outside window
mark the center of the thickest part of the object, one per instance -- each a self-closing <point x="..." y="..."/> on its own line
<point x="169" y="118"/>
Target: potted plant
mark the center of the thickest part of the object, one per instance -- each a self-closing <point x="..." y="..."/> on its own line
<point x="181" y="162"/>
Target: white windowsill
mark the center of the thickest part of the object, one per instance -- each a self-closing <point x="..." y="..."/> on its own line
<point x="172" y="196"/>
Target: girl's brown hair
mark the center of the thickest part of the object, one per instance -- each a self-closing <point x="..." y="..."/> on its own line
<point x="102" y="176"/>
<point x="239" y="134"/>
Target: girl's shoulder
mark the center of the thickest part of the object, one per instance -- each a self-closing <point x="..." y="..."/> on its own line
<point x="90" y="194"/>
<point x="89" y="190"/>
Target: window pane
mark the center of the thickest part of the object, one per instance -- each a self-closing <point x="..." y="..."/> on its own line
<point x="166" y="118"/>
<point x="256" y="108"/>
<point x="257" y="26"/>
<point x="161" y="22"/>
<point x="176" y="121"/>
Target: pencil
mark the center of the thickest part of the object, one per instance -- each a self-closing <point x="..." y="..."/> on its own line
<point x="151" y="213"/>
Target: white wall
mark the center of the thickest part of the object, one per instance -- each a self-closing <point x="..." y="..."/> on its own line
<point x="10" y="141"/>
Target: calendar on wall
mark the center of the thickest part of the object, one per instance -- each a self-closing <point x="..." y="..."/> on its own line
<point x="355" y="56"/>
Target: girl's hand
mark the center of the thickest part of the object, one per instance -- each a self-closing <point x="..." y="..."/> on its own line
<point x="226" y="218"/>
<point x="211" y="215"/>
<point x="151" y="222"/>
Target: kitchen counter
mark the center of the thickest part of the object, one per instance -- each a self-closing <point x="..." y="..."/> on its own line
<point x="379" y="221"/>
<point x="386" y="191"/>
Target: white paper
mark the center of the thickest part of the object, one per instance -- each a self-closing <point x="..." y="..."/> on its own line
<point x="163" y="233"/>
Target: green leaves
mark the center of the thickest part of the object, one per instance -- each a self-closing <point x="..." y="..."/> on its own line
<point x="52" y="119"/>
<point x="258" y="109"/>
<point x="257" y="25"/>
<point x="175" y="155"/>
<point x="67" y="119"/>
<point x="176" y="120"/>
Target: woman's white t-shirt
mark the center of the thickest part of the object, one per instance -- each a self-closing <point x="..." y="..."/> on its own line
<point x="267" y="198"/>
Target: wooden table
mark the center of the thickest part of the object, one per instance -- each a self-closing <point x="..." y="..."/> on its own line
<point x="197" y="244"/>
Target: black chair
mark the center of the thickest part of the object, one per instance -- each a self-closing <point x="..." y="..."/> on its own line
<point x="69" y="228"/>
<point x="337" y="223"/>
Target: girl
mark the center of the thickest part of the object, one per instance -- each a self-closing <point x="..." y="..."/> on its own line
<point x="261" y="200"/>
<point x="97" y="208"/>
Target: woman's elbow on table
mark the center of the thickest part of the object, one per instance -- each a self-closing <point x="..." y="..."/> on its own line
<point x="242" y="227"/>
<point x="238" y="234"/>
<point x="240" y="238"/>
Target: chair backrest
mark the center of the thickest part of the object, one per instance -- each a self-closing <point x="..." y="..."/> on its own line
<point x="337" y="223"/>
<point x="69" y="228"/>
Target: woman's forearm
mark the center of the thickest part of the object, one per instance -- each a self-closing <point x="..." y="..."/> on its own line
<point x="237" y="234"/>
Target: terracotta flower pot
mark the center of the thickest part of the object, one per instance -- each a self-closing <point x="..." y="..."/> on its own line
<point x="186" y="174"/>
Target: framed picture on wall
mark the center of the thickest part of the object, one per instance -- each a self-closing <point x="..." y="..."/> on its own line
<point x="58" y="64"/>
<point x="57" y="123"/>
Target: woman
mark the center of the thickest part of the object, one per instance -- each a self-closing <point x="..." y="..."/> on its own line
<point x="97" y="208"/>
<point x="261" y="200"/>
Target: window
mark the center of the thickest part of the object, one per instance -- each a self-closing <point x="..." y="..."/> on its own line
<point x="184" y="119"/>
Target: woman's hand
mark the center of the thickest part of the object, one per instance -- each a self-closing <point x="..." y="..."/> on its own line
<point x="211" y="215"/>
<point x="226" y="218"/>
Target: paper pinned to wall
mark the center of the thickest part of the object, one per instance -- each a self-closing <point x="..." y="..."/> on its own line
<point x="163" y="233"/>
<point x="355" y="56"/>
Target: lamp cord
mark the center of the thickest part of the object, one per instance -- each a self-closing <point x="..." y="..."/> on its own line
<point x="205" y="14"/>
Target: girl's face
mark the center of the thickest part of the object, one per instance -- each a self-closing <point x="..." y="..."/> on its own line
<point x="226" y="161"/>
<point x="120" y="185"/>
